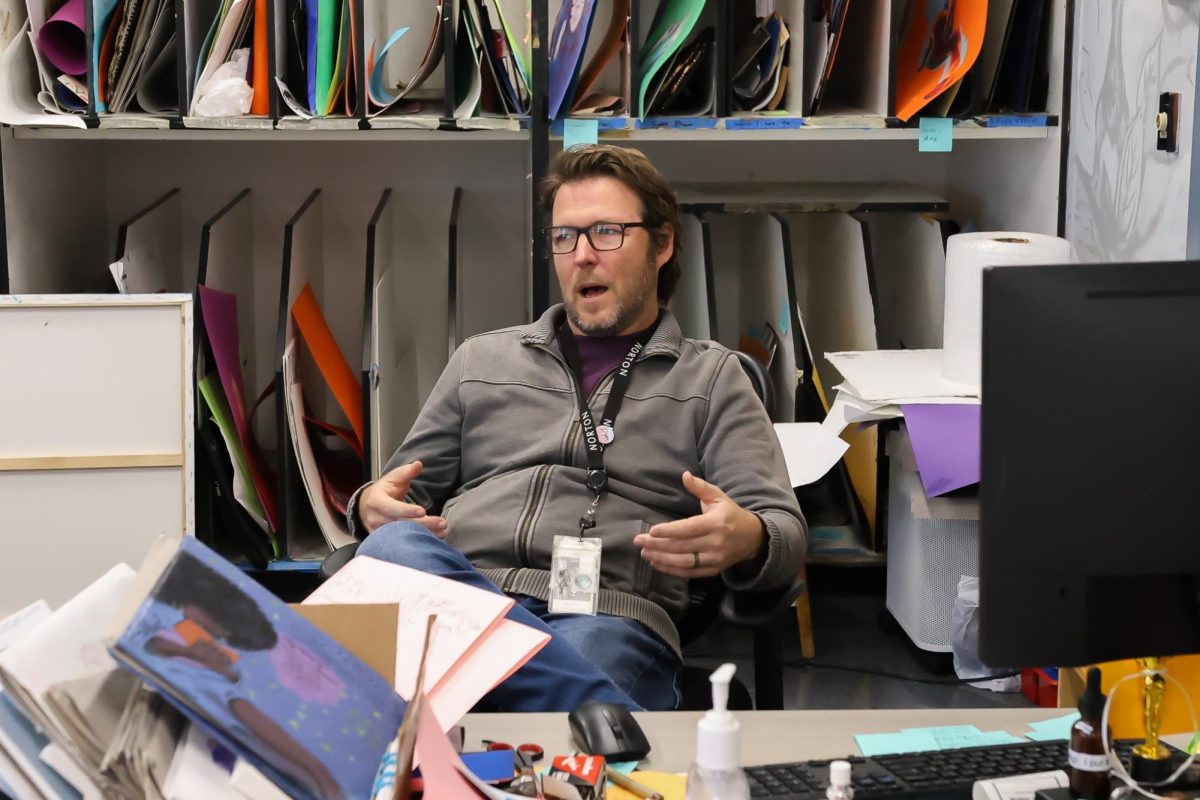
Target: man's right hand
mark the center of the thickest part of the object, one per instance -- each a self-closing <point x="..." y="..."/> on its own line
<point x="383" y="502"/>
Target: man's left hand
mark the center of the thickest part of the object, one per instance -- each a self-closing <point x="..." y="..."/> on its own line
<point x="722" y="535"/>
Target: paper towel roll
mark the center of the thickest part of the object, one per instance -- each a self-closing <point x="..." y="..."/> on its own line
<point x="966" y="256"/>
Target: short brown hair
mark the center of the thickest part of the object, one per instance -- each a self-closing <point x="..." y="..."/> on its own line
<point x="632" y="168"/>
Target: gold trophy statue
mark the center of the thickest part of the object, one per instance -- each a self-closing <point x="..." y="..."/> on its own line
<point x="1151" y="761"/>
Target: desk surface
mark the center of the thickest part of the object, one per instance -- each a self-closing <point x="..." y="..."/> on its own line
<point x="768" y="737"/>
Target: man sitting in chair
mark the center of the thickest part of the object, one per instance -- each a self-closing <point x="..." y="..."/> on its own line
<point x="590" y="464"/>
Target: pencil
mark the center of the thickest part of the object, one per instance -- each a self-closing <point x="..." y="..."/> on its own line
<point x="629" y="784"/>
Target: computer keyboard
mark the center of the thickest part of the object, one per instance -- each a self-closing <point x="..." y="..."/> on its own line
<point x="938" y="775"/>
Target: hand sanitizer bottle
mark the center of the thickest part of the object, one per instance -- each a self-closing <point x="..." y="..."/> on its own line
<point x="716" y="774"/>
<point x="839" y="781"/>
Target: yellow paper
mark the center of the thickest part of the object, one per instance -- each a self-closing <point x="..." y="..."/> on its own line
<point x="1125" y="717"/>
<point x="669" y="785"/>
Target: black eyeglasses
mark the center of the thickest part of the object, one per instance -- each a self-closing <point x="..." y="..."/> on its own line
<point x="562" y="239"/>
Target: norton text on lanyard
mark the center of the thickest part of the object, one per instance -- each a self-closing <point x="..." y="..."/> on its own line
<point x="595" y="436"/>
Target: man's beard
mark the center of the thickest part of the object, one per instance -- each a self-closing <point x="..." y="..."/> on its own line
<point x="625" y="311"/>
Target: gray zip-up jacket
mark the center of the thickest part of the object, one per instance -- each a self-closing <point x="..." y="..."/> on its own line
<point x="499" y="438"/>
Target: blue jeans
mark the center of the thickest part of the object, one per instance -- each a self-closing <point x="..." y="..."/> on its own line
<point x="600" y="657"/>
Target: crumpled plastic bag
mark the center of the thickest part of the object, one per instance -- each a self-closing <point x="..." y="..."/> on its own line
<point x="226" y="93"/>
<point x="966" y="641"/>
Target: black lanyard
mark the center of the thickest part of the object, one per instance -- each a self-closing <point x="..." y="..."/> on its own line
<point x="595" y="437"/>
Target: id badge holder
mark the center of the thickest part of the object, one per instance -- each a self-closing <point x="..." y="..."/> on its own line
<point x="574" y="575"/>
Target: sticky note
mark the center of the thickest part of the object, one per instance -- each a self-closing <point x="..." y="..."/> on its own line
<point x="937" y="135"/>
<point x="874" y="744"/>
<point x="1047" y="730"/>
<point x="580" y="131"/>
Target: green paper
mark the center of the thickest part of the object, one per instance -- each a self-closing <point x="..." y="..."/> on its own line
<point x="937" y="135"/>
<point x="514" y="44"/>
<point x="343" y="53"/>
<point x="675" y="23"/>
<point x="580" y="131"/>
<point x="874" y="744"/>
<point x="218" y="406"/>
<point x="327" y="23"/>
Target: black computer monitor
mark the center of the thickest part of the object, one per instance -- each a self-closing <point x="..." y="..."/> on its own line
<point x="1090" y="507"/>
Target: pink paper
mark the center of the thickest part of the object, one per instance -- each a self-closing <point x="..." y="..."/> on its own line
<point x="467" y="616"/>
<point x="219" y="310"/>
<point x="441" y="768"/>
<point x="62" y="39"/>
<point x="502" y="652"/>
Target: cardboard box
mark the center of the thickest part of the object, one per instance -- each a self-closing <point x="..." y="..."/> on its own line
<point x="367" y="630"/>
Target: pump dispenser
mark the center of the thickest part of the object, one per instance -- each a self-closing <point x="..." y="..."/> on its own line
<point x="716" y="773"/>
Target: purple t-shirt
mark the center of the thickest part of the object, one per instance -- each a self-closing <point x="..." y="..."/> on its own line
<point x="601" y="354"/>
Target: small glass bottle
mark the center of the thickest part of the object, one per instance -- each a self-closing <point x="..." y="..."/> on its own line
<point x="1088" y="765"/>
<point x="839" y="781"/>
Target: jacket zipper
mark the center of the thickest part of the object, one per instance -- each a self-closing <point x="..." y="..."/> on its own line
<point x="523" y="533"/>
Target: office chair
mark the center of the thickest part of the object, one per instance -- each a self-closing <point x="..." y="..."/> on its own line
<point x="709" y="599"/>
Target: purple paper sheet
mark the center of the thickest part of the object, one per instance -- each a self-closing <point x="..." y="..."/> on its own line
<point x="945" y="440"/>
<point x="62" y="39"/>
<point x="566" y="52"/>
<point x="221" y="325"/>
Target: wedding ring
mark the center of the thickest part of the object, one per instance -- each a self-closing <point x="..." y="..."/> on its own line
<point x="695" y="560"/>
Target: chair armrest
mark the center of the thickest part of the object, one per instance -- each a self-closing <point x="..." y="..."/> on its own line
<point x="755" y="609"/>
<point x="336" y="560"/>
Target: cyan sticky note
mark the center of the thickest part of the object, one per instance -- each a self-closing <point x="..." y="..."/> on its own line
<point x="874" y="744"/>
<point x="937" y="135"/>
<point x="580" y="131"/>
<point x="1048" y="730"/>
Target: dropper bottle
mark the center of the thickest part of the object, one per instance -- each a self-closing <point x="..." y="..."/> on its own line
<point x="716" y="773"/>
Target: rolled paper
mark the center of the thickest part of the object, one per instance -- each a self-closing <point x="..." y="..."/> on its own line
<point x="62" y="39"/>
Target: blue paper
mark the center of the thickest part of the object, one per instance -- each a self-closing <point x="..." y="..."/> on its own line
<point x="874" y="744"/>
<point x="28" y="743"/>
<point x="490" y="766"/>
<point x="937" y="135"/>
<point x="580" y="132"/>
<point x="1016" y="121"/>
<point x="763" y="123"/>
<point x="379" y="93"/>
<point x="566" y="52"/>
<point x="678" y="123"/>
<point x="102" y="11"/>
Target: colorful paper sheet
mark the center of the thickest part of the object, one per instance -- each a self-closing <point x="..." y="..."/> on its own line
<point x="566" y="51"/>
<point x="62" y="40"/>
<point x="218" y="406"/>
<point x="330" y="361"/>
<point x="940" y="42"/>
<point x="260" y="103"/>
<point x="219" y="310"/>
<point x="946" y="441"/>
<point x="465" y="615"/>
<point x="675" y="24"/>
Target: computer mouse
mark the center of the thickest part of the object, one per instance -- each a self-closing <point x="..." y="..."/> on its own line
<point x="609" y="730"/>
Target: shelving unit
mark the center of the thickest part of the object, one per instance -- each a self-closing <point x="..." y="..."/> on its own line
<point x="66" y="191"/>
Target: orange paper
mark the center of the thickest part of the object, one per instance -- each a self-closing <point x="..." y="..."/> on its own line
<point x="261" y="75"/>
<point x="330" y="361"/>
<point x="940" y="42"/>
